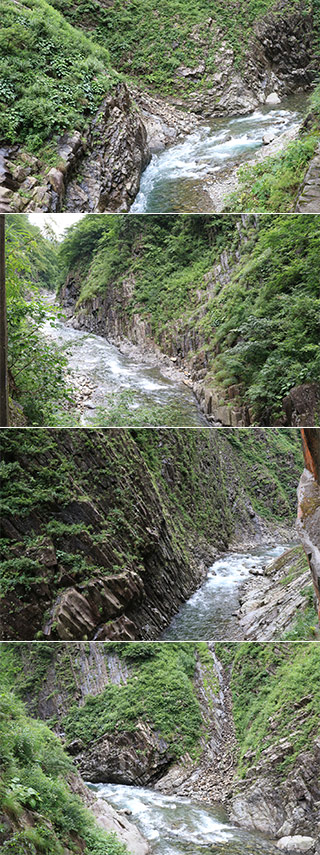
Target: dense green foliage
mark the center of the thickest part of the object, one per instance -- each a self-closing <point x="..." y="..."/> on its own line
<point x="257" y="331"/>
<point x="175" y="33"/>
<point x="34" y="778"/>
<point x="159" y="692"/>
<point x="267" y="682"/>
<point x="52" y="77"/>
<point x="275" y="690"/>
<point x="36" y="368"/>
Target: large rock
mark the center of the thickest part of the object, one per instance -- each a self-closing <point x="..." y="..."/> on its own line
<point x="135" y="757"/>
<point x="80" y="611"/>
<point x="110" y="820"/>
<point x="98" y="170"/>
<point x="308" y="523"/>
<point x="297" y="843"/>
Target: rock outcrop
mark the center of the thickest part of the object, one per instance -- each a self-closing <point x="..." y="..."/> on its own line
<point x="271" y="604"/>
<point x="279" y="807"/>
<point x="96" y="170"/>
<point x="136" y="757"/>
<point x="280" y="59"/>
<point x="183" y="343"/>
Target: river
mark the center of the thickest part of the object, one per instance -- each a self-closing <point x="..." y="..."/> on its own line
<point x="174" y="825"/>
<point x="181" y="178"/>
<point x="107" y="376"/>
<point x="209" y="613"/>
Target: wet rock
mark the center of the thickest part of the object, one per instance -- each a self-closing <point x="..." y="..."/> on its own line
<point x="268" y="138"/>
<point x="116" y="821"/>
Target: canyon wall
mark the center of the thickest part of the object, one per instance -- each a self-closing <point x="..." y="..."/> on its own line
<point x="309" y="505"/>
<point x="247" y="734"/>
<point x="106" y="534"/>
<point x="197" y="326"/>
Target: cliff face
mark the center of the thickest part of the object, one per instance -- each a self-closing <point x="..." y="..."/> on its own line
<point x="309" y="505"/>
<point x="105" y="534"/>
<point x="202" y="326"/>
<point x="96" y="170"/>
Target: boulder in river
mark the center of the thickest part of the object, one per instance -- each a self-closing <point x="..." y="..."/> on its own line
<point x="268" y="138"/>
<point x="273" y="98"/>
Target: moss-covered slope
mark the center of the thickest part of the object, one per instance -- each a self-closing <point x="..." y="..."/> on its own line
<point x="131" y="712"/>
<point x="100" y="527"/>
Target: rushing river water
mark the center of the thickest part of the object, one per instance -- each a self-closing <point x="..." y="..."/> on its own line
<point x="174" y="825"/>
<point x="175" y="180"/>
<point x="109" y="372"/>
<point x="210" y="611"/>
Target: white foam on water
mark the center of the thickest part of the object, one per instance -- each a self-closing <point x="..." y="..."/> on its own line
<point x="206" y="149"/>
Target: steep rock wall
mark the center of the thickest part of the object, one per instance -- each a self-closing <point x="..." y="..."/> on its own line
<point x="104" y="551"/>
<point x="98" y="170"/>
<point x="276" y="791"/>
<point x="116" y="313"/>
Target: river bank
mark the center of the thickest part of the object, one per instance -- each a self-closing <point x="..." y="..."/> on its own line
<point x="112" y="376"/>
<point x="194" y="175"/>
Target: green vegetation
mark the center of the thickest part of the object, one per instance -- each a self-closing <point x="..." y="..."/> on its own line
<point x="94" y="500"/>
<point x="273" y="183"/>
<point x="34" y="786"/>
<point x="258" y="332"/>
<point x="159" y="692"/>
<point x="52" y="77"/>
<point x="275" y="690"/>
<point x="37" y="378"/>
<point x="268" y="681"/>
<point x="176" y="33"/>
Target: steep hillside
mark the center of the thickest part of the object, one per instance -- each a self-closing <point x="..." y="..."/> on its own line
<point x="44" y="806"/>
<point x="228" y="722"/>
<point x="62" y="104"/>
<point x="105" y="534"/>
<point x="232" y="301"/>
<point x="75" y="119"/>
<point x="195" y="47"/>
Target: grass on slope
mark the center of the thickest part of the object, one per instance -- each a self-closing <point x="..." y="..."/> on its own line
<point x="159" y="692"/>
<point x="175" y="33"/>
<point x="268" y="681"/>
<point x="45" y="816"/>
<point x="52" y="77"/>
<point x="273" y="184"/>
<point x="255" y="329"/>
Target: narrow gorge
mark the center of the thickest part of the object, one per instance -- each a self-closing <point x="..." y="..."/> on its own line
<point x="204" y="747"/>
<point x="210" y="296"/>
<point x="106" y="534"/>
